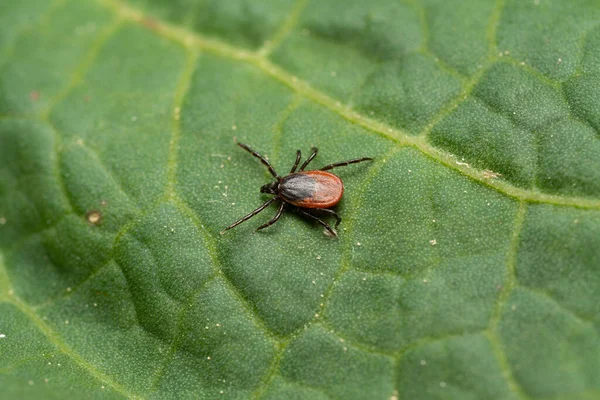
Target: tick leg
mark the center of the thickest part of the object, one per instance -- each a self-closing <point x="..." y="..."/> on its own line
<point x="261" y="158"/>
<point x="252" y="214"/>
<point x="310" y="158"/>
<point x="298" y="156"/>
<point x="275" y="218"/>
<point x="344" y="163"/>
<point x="332" y="213"/>
<point x="301" y="211"/>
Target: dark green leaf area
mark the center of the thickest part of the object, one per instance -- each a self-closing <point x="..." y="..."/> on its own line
<point x="34" y="367"/>
<point x="394" y="92"/>
<point x="547" y="35"/>
<point x="17" y="17"/>
<point x="133" y="110"/>
<point x="46" y="256"/>
<point x="550" y="350"/>
<point x="429" y="226"/>
<point x="462" y="367"/>
<point x="167" y="279"/>
<point x="282" y="389"/>
<point x="571" y="273"/>
<point x="197" y="314"/>
<point x="222" y="343"/>
<point x="321" y="361"/>
<point x="463" y="46"/>
<point x="579" y="89"/>
<point x="338" y="50"/>
<point x="42" y="52"/>
<point x="30" y="189"/>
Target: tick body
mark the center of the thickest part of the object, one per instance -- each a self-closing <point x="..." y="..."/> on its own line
<point x="314" y="191"/>
<point x="311" y="189"/>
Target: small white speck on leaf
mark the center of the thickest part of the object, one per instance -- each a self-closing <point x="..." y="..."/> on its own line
<point x="102" y="387"/>
<point x="208" y="358"/>
<point x="30" y="382"/>
<point x="2" y="336"/>
<point x="318" y="257"/>
<point x="358" y="243"/>
<point x="442" y="384"/>
<point x="67" y="322"/>
<point x="2" y="220"/>
<point x="46" y="380"/>
<point x="314" y="282"/>
<point x="68" y="289"/>
<point x="425" y="281"/>
<point x="559" y="61"/>
<point x="423" y="362"/>
<point x="433" y="242"/>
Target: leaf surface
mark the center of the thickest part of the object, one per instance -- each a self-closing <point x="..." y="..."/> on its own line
<point x="468" y="260"/>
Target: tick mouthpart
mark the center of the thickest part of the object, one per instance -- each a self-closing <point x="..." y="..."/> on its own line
<point x="270" y="188"/>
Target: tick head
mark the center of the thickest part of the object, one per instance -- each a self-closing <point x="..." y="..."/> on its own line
<point x="270" y="188"/>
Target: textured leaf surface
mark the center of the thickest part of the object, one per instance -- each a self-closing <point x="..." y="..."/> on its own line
<point x="468" y="263"/>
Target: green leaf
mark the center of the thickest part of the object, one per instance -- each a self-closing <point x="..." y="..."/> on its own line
<point x="468" y="259"/>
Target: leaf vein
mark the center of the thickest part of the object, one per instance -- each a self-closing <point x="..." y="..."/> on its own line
<point x="284" y="31"/>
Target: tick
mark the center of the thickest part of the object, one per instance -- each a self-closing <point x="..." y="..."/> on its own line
<point x="307" y="191"/>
